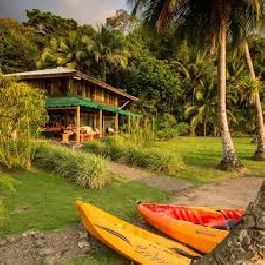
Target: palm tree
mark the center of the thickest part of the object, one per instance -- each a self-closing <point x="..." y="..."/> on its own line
<point x="203" y="110"/>
<point x="260" y="151"/>
<point x="209" y="21"/>
<point x="110" y="50"/>
<point x="69" y="51"/>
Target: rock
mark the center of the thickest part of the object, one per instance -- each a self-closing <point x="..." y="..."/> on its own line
<point x="2" y="242"/>
<point x="30" y="233"/>
<point x="49" y="260"/>
<point x="40" y="243"/>
<point x="47" y="251"/>
<point x="83" y="244"/>
<point x="82" y="235"/>
<point x="12" y="239"/>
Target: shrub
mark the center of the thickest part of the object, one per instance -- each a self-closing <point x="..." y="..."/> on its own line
<point x="85" y="170"/>
<point x="182" y="128"/>
<point x="20" y="118"/>
<point x="117" y="149"/>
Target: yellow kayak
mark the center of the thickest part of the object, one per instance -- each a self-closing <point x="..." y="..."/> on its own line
<point x="135" y="243"/>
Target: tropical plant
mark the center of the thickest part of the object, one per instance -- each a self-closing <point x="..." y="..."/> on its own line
<point x="69" y="51"/>
<point x="260" y="130"/>
<point x="125" y="151"/>
<point x="17" y="47"/>
<point x="203" y="110"/>
<point x="85" y="170"/>
<point x="110" y="50"/>
<point x="243" y="35"/>
<point x="20" y="118"/>
<point x="209" y="21"/>
<point x="155" y="82"/>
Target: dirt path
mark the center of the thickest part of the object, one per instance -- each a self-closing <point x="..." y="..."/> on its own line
<point x="164" y="183"/>
<point x="234" y="193"/>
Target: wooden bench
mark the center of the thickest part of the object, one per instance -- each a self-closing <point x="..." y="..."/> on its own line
<point x="86" y="137"/>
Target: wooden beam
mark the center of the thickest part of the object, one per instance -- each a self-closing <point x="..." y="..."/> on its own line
<point x="78" y="123"/>
<point x="129" y="124"/>
<point x="116" y="123"/>
<point x="101" y="123"/>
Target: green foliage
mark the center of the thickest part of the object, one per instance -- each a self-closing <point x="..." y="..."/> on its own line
<point x="17" y="47"/>
<point x="168" y="74"/>
<point x="121" y="150"/>
<point x="85" y="170"/>
<point x="48" y="23"/>
<point x="20" y="118"/>
<point x="156" y="82"/>
<point x="167" y="127"/>
<point x="66" y="51"/>
<point x="142" y="132"/>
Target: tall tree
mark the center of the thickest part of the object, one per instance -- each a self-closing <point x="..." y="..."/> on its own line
<point x="70" y="51"/>
<point x="110" y="50"/>
<point x="209" y="21"/>
<point x="48" y="23"/>
<point x="260" y="130"/>
<point x="17" y="46"/>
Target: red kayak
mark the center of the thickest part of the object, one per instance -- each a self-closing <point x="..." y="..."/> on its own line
<point x="208" y="217"/>
<point x="195" y="227"/>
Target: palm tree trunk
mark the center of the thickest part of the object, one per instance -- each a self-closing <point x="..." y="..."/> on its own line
<point x="204" y="128"/>
<point x="260" y="151"/>
<point x="229" y="160"/>
<point x="245" y="243"/>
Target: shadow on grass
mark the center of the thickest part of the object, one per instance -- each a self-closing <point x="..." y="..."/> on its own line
<point x="197" y="160"/>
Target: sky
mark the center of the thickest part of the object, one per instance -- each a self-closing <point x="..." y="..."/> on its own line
<point x="83" y="11"/>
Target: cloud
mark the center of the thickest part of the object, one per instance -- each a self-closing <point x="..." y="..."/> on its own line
<point x="83" y="11"/>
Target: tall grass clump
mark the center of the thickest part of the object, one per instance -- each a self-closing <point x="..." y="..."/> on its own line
<point x="121" y="150"/>
<point x="85" y="170"/>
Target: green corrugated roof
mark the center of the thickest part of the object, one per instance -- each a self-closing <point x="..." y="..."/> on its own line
<point x="62" y="102"/>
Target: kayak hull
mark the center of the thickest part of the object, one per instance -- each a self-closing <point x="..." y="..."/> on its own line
<point x="196" y="236"/>
<point x="135" y="243"/>
<point x="210" y="217"/>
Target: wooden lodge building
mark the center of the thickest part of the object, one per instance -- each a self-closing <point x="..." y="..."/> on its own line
<point x="79" y="106"/>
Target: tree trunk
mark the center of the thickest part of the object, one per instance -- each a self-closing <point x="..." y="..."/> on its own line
<point x="260" y="151"/>
<point x="204" y="128"/>
<point x="245" y="244"/>
<point x="229" y="160"/>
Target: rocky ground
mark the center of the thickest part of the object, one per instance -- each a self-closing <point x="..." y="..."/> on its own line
<point x="56" y="247"/>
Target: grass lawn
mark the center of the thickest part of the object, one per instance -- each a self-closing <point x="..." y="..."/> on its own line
<point x="201" y="155"/>
<point x="47" y="201"/>
<point x="43" y="201"/>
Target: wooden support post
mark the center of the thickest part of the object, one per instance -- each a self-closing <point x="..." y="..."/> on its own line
<point x="78" y="123"/>
<point x="129" y="124"/>
<point x="116" y="123"/>
<point x="100" y="123"/>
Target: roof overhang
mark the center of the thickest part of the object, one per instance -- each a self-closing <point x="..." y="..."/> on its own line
<point x="64" y="72"/>
<point x="71" y="102"/>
